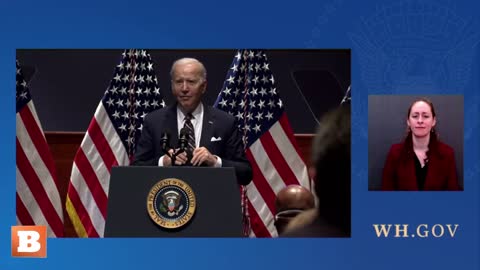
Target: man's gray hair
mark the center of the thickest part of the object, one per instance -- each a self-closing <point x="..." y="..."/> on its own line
<point x="187" y="60"/>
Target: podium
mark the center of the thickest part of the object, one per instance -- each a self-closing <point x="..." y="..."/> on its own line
<point x="218" y="205"/>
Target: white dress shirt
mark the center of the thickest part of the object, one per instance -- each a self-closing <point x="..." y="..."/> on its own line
<point x="197" y="122"/>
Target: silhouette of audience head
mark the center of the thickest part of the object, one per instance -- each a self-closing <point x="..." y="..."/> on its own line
<point x="331" y="172"/>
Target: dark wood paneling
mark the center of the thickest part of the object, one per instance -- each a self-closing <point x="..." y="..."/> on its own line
<point x="64" y="146"/>
<point x="304" y="143"/>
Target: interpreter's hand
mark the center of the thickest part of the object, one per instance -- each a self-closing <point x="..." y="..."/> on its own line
<point x="180" y="159"/>
<point x="201" y="156"/>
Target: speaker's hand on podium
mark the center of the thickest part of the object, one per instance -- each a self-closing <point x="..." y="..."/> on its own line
<point x="201" y="156"/>
<point x="180" y="159"/>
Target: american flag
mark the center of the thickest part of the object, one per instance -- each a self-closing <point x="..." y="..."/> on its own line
<point x="249" y="93"/>
<point x="110" y="140"/>
<point x="38" y="199"/>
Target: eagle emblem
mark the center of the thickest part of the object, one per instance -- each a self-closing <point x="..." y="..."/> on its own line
<point x="171" y="203"/>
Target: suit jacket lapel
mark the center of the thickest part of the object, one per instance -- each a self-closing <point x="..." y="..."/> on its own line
<point x="171" y="123"/>
<point x="207" y="127"/>
<point x="410" y="176"/>
<point x="431" y="171"/>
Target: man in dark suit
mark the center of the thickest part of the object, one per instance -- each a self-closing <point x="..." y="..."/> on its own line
<point x="213" y="138"/>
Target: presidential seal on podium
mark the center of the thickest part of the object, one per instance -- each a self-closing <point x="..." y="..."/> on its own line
<point x="171" y="203"/>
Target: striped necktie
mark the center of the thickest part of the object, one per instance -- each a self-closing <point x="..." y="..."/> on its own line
<point x="191" y="132"/>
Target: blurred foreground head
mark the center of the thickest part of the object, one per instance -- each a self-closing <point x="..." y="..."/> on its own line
<point x="291" y="201"/>
<point x="332" y="172"/>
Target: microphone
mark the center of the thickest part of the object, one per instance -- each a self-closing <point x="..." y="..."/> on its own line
<point x="183" y="145"/>
<point x="165" y="141"/>
<point x="183" y="139"/>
